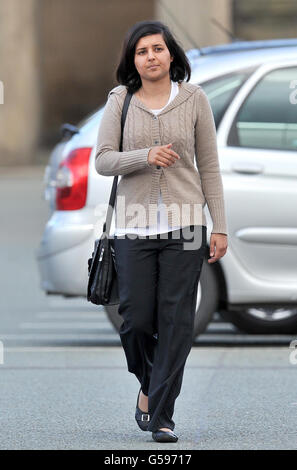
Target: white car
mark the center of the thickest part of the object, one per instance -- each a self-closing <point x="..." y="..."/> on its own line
<point x="252" y="88"/>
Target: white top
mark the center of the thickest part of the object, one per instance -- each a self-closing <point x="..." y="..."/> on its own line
<point x="162" y="219"/>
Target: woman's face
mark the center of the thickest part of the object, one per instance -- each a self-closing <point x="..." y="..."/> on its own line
<point x="152" y="50"/>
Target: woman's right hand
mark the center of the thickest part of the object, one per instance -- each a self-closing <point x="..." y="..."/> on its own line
<point x="162" y="156"/>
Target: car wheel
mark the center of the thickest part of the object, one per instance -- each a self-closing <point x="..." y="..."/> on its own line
<point x="207" y="298"/>
<point x="206" y="304"/>
<point x="263" y="320"/>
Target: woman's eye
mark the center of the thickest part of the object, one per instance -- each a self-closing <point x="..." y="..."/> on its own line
<point x="157" y="48"/>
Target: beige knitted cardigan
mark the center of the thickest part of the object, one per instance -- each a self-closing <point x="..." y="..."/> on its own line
<point x="188" y="123"/>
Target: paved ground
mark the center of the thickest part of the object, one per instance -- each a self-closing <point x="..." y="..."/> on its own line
<point x="84" y="398"/>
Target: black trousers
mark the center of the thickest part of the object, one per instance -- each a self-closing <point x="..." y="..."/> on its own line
<point x="158" y="279"/>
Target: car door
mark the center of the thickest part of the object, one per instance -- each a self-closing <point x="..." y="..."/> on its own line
<point x="258" y="149"/>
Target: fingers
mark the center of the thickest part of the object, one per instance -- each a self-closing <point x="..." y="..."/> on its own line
<point x="170" y="152"/>
<point x="217" y="254"/>
<point x="162" y="160"/>
<point x="161" y="163"/>
<point x="166" y="156"/>
<point x="216" y="250"/>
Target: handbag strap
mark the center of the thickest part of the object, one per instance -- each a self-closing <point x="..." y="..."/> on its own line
<point x="107" y="223"/>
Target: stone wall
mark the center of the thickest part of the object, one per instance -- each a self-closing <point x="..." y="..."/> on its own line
<point x="19" y="74"/>
<point x="265" y="19"/>
<point x="191" y="20"/>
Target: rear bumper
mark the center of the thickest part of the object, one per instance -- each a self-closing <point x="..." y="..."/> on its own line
<point x="62" y="256"/>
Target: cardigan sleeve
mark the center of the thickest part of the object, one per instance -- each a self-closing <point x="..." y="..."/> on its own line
<point x="207" y="160"/>
<point x="108" y="160"/>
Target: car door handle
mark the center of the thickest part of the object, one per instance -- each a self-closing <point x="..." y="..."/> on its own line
<point x="247" y="168"/>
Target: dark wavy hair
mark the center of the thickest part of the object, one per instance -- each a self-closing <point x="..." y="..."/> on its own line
<point x="126" y="73"/>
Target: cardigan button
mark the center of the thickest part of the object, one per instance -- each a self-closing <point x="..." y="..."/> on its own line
<point x="155" y="117"/>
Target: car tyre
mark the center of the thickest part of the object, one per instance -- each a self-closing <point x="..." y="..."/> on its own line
<point x="248" y="320"/>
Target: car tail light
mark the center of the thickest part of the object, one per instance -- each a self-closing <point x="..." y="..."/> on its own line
<point x="72" y="180"/>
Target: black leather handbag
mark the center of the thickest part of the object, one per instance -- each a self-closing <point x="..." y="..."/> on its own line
<point x="103" y="282"/>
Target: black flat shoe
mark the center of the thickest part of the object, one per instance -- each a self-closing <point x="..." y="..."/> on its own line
<point x="164" y="436"/>
<point x="142" y="418"/>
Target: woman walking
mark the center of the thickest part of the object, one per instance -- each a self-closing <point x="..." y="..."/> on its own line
<point x="160" y="251"/>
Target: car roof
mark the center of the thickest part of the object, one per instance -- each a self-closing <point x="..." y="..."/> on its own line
<point x="205" y="67"/>
<point x="241" y="46"/>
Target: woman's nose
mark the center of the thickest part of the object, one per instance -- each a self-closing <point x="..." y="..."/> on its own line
<point x="151" y="54"/>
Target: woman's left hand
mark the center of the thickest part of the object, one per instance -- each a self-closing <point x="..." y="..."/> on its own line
<point x="218" y="246"/>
